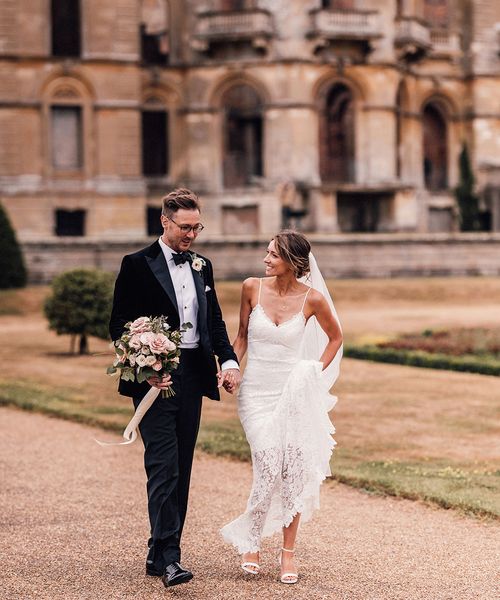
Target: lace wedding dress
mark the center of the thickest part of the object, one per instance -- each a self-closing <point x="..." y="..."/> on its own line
<point x="283" y="405"/>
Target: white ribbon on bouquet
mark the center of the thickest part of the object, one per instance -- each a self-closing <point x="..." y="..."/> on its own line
<point x="130" y="432"/>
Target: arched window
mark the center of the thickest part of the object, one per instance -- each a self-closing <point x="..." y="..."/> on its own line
<point x="435" y="148"/>
<point x="67" y="109"/>
<point x="155" y="138"/>
<point x="65" y="27"/>
<point x="436" y="13"/>
<point x="155" y="47"/>
<point x="337" y="135"/>
<point x="242" y="135"/>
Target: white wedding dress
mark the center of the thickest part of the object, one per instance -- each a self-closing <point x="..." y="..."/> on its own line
<point x="283" y="405"/>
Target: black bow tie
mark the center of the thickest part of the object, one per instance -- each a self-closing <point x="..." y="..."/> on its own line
<point x="181" y="258"/>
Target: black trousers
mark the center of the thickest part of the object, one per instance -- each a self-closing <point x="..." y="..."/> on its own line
<point x="169" y="430"/>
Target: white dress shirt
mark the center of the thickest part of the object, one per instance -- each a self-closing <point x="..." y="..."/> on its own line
<point x="187" y="301"/>
<point x="185" y="294"/>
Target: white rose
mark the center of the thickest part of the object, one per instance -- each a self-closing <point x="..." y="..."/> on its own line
<point x="131" y="359"/>
<point x="197" y="264"/>
<point x="145" y="350"/>
<point x="141" y="360"/>
<point x="150" y="360"/>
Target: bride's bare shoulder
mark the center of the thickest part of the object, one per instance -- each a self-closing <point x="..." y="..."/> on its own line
<point x="249" y="286"/>
<point x="315" y="299"/>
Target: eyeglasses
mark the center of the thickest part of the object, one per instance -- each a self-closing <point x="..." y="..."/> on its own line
<point x="188" y="228"/>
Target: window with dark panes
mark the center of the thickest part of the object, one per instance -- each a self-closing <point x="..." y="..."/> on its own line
<point x="435" y="148"/>
<point x="337" y="136"/>
<point x="155" y="143"/>
<point x="230" y="5"/>
<point x="65" y="27"/>
<point x="155" y="24"/>
<point x="66" y="138"/>
<point x="338" y="4"/>
<point x="153" y="222"/>
<point x="70" y="222"/>
<point x="243" y="133"/>
<point x="150" y="49"/>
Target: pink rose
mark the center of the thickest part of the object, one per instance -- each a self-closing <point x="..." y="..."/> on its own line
<point x="140" y="325"/>
<point x="157" y="366"/>
<point x="147" y="337"/>
<point x="135" y="342"/>
<point x="160" y="344"/>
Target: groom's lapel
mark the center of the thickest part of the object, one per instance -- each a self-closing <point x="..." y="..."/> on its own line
<point x="160" y="270"/>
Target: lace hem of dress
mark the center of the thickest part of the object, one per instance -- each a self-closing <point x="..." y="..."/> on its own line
<point x="290" y="460"/>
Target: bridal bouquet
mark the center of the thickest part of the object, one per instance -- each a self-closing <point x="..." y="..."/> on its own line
<point x="147" y="347"/>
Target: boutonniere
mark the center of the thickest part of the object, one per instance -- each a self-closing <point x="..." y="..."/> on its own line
<point x="197" y="263"/>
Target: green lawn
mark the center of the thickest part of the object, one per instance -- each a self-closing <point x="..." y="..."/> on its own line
<point x="413" y="433"/>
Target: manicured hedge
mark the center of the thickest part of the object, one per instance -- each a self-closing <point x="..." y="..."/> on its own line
<point x="12" y="268"/>
<point x="417" y="358"/>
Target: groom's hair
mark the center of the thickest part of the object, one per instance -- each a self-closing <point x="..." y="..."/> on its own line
<point x="179" y="198"/>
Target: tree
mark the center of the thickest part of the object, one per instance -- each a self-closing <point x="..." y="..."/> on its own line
<point x="468" y="202"/>
<point x="80" y="305"/>
<point x="12" y="268"/>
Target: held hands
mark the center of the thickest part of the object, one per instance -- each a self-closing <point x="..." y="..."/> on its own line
<point x="162" y="383"/>
<point x="229" y="379"/>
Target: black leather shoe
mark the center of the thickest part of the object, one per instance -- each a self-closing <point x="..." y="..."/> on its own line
<point x="151" y="570"/>
<point x="174" y="574"/>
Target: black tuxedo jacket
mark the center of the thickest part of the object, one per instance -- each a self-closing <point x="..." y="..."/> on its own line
<point x="144" y="288"/>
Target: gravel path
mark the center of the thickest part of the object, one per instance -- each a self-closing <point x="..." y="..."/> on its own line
<point x="74" y="525"/>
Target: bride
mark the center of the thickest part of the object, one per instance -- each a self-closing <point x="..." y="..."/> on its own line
<point x="290" y="329"/>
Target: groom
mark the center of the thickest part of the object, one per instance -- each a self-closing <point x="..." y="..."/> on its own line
<point x="166" y="279"/>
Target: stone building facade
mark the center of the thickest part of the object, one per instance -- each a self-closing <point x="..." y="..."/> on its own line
<point x="336" y="116"/>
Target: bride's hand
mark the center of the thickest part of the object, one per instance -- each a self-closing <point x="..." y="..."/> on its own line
<point x="229" y="379"/>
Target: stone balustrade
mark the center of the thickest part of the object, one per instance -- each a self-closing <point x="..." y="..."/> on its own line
<point x="223" y="25"/>
<point x="346" y="24"/>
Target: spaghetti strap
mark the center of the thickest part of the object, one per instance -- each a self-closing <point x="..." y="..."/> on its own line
<point x="260" y="288"/>
<point x="305" y="298"/>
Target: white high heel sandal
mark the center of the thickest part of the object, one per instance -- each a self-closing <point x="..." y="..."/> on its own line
<point x="287" y="577"/>
<point x="250" y="567"/>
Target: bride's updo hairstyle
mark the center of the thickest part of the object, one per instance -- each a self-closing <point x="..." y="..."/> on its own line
<point x="294" y="249"/>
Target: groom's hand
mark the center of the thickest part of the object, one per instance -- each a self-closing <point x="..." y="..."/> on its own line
<point x="162" y="383"/>
<point x="229" y="379"/>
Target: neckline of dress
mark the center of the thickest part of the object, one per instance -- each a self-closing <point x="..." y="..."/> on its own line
<point x="277" y="325"/>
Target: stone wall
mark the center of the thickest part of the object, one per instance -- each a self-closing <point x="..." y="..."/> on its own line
<point x="362" y="256"/>
<point x="291" y="55"/>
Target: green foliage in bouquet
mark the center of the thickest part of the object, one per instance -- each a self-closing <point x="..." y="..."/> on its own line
<point x="12" y="268"/>
<point x="80" y="305"/>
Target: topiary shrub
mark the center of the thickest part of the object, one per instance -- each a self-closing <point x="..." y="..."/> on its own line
<point x="12" y="268"/>
<point x="467" y="200"/>
<point x="80" y="305"/>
